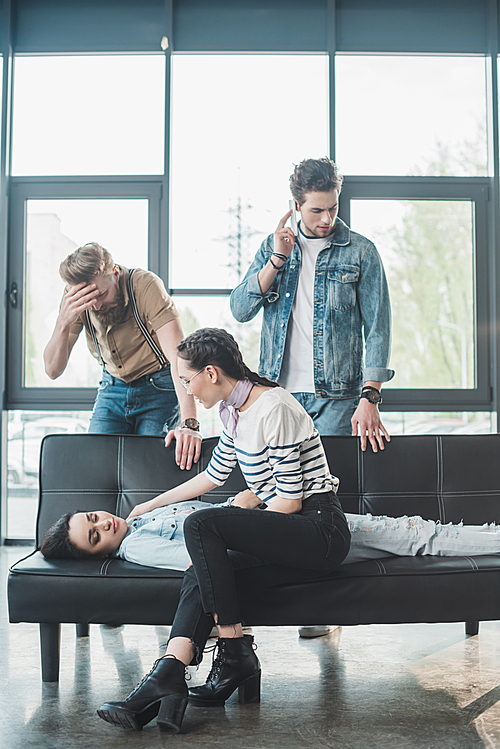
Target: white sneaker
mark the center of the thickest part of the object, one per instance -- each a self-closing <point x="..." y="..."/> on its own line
<point x="319" y="630"/>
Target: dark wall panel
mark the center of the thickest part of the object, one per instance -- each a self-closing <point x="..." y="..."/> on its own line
<point x="423" y="26"/>
<point x="88" y="25"/>
<point x="250" y="25"/>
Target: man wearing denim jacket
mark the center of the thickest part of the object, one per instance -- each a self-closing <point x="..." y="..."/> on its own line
<point x="323" y="293"/>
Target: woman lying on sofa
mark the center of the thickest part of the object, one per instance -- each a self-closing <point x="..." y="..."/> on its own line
<point x="156" y="538"/>
<point x="297" y="531"/>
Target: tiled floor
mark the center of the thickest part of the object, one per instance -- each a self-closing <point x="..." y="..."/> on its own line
<point x="412" y="686"/>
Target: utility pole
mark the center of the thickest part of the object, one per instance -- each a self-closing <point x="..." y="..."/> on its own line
<point x="237" y="239"/>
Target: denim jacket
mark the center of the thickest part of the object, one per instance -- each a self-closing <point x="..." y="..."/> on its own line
<point x="156" y="539"/>
<point x="351" y="305"/>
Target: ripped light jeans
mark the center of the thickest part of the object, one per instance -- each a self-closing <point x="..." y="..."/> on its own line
<point x="375" y="536"/>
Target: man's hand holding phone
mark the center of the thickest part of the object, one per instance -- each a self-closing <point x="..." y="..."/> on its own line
<point x="293" y="217"/>
<point x="284" y="240"/>
<point x="284" y="236"/>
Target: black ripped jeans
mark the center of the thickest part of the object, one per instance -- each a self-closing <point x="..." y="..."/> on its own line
<point x="234" y="549"/>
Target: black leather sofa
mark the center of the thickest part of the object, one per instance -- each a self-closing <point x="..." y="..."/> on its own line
<point x="450" y="478"/>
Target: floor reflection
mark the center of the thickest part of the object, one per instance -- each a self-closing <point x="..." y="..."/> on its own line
<point x="389" y="687"/>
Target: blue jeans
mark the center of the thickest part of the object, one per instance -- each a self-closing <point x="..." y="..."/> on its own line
<point x="235" y="549"/>
<point x="147" y="405"/>
<point x="330" y="417"/>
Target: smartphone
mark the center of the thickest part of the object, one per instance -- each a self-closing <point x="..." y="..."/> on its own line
<point x="293" y="217"/>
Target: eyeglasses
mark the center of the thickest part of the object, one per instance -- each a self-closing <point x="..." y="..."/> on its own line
<point x="185" y="383"/>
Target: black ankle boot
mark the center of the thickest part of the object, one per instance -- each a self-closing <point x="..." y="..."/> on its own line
<point x="164" y="684"/>
<point x="235" y="667"/>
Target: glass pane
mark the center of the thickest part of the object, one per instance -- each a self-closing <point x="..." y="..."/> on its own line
<point x="54" y="229"/>
<point x="239" y="124"/>
<point x="467" y="422"/>
<point x="214" y="312"/>
<point x="26" y="429"/>
<point x="411" y="115"/>
<point x="428" y="252"/>
<point x="89" y="115"/>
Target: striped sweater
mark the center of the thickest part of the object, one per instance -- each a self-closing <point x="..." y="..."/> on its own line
<point x="278" y="449"/>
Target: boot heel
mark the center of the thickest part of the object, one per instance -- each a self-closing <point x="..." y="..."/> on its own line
<point x="172" y="709"/>
<point x="249" y="690"/>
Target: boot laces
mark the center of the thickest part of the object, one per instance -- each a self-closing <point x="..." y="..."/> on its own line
<point x="139" y="685"/>
<point x="217" y="661"/>
<point x="144" y="678"/>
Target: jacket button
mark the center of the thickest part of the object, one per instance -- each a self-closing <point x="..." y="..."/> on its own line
<point x="172" y="526"/>
<point x="287" y="294"/>
<point x="282" y="324"/>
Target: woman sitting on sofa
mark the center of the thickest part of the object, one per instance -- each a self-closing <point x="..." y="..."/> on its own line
<point x="297" y="531"/>
<point x="303" y="536"/>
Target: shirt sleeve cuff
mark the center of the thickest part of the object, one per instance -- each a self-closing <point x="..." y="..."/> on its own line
<point x="377" y="374"/>
<point x="214" y="479"/>
<point x="162" y="319"/>
<point x="253" y="289"/>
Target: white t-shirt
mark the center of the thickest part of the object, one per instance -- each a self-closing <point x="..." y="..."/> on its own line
<point x="297" y="371"/>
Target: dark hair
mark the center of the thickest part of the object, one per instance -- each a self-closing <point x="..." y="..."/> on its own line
<point x="218" y="347"/>
<point x="57" y="544"/>
<point x="314" y="175"/>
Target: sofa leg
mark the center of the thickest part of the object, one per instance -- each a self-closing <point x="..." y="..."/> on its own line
<point x="82" y="630"/>
<point x="50" y="638"/>
<point x="471" y="628"/>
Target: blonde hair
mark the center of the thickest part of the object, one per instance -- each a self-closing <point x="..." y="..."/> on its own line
<point x="85" y="263"/>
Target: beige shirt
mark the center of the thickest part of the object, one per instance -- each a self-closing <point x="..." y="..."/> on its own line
<point x="126" y="353"/>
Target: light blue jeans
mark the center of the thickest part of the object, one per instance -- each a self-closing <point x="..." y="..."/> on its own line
<point x="147" y="405"/>
<point x="375" y="536"/>
<point x="330" y="417"/>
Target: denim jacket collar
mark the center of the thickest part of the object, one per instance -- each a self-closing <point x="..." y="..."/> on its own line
<point x="341" y="236"/>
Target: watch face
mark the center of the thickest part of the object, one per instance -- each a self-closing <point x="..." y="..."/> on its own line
<point x="372" y="396"/>
<point x="192" y="424"/>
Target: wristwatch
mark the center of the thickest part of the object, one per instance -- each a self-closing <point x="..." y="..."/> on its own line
<point x="193" y="424"/>
<point x="371" y="394"/>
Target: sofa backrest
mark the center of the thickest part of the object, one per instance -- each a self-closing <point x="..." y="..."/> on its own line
<point x="113" y="473"/>
<point x="441" y="477"/>
<point x="448" y="478"/>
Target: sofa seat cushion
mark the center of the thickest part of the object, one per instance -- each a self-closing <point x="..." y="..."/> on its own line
<point x="386" y="590"/>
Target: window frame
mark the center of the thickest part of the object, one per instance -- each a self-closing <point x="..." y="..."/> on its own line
<point x="27" y="188"/>
<point x="477" y="191"/>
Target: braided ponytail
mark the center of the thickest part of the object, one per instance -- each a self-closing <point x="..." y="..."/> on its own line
<point x="218" y="347"/>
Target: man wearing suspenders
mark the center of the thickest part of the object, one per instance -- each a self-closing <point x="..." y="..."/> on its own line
<point x="132" y="329"/>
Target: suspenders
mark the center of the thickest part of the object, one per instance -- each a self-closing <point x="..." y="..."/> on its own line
<point x="140" y="323"/>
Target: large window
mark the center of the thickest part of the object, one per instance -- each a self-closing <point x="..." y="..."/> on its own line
<point x="55" y="228"/>
<point x="427" y="247"/>
<point x="239" y="124"/>
<point x="89" y="115"/>
<point x="178" y="161"/>
<point x="411" y="115"/>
